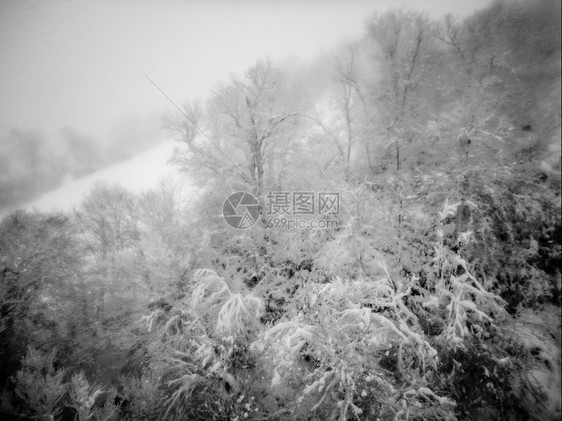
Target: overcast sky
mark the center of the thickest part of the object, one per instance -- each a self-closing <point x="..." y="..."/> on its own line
<point x="79" y="63"/>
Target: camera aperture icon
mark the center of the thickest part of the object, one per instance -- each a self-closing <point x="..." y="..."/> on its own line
<point x="241" y="210"/>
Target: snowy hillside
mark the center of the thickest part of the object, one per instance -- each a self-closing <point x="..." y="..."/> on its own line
<point x="137" y="174"/>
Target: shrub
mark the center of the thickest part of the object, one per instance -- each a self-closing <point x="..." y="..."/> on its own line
<point x="38" y="386"/>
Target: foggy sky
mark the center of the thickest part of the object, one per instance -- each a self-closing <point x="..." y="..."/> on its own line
<point x="80" y="63"/>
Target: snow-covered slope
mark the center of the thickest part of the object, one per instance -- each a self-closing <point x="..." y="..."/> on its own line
<point x="137" y="174"/>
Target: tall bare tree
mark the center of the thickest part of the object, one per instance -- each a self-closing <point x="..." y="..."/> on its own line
<point x="244" y="123"/>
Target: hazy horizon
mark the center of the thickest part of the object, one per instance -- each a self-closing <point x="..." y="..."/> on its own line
<point x="80" y="64"/>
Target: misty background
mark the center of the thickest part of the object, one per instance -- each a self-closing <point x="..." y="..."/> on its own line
<point x="74" y="97"/>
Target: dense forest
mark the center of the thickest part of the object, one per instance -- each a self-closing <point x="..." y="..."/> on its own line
<point x="422" y="283"/>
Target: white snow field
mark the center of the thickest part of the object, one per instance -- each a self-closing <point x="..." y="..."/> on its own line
<point x="136" y="174"/>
